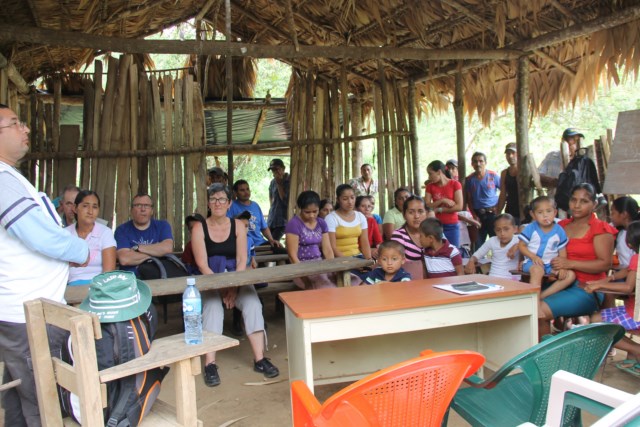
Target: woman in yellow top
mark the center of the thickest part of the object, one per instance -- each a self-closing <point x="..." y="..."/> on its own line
<point x="348" y="227"/>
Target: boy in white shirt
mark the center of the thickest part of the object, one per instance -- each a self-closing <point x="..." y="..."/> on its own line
<point x="503" y="247"/>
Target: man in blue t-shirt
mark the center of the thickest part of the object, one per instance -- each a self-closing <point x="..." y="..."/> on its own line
<point x="142" y="237"/>
<point x="257" y="225"/>
<point x="481" y="191"/>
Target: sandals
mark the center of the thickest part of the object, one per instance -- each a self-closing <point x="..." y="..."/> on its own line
<point x="630" y="366"/>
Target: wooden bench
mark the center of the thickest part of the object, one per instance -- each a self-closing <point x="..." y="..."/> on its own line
<point x="279" y="273"/>
<point x="85" y="381"/>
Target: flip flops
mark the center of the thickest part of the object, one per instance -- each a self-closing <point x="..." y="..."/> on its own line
<point x="630" y="366"/>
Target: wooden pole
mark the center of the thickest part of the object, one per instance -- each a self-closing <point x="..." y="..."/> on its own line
<point x="522" y="132"/>
<point x="458" y="109"/>
<point x="356" y="130"/>
<point x="87" y="133"/>
<point x="389" y="183"/>
<point x="95" y="129"/>
<point x="229" y="76"/>
<point x="413" y="137"/>
<point x="349" y="169"/>
<point x="377" y="110"/>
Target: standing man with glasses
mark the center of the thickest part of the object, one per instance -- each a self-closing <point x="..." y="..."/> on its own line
<point x="142" y="237"/>
<point x="35" y="253"/>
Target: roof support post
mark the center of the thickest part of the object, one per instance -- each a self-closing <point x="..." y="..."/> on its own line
<point x="522" y="132"/>
<point x="458" y="109"/>
<point x="229" y="77"/>
<point x="413" y="136"/>
<point x="356" y="130"/>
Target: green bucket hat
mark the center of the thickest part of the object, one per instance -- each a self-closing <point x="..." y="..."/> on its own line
<point x="116" y="296"/>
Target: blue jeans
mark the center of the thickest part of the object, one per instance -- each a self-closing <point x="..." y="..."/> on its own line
<point x="452" y="234"/>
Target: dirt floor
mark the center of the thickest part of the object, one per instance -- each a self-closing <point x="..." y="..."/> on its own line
<point x="249" y="400"/>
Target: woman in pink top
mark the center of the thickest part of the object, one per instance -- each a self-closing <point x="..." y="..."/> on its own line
<point x="444" y="196"/>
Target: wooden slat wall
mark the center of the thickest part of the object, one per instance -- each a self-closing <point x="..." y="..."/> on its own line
<point x="130" y="116"/>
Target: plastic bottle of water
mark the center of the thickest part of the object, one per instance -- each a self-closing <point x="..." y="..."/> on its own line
<point x="192" y="311"/>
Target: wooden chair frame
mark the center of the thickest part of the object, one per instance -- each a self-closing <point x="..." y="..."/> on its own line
<point x="84" y="379"/>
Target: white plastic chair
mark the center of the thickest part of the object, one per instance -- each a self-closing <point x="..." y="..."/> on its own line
<point x="616" y="407"/>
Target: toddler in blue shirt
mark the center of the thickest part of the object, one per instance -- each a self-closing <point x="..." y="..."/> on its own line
<point x="390" y="260"/>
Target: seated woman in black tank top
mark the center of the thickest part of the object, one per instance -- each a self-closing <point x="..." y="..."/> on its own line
<point x="219" y="245"/>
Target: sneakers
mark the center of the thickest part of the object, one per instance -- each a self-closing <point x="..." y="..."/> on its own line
<point x="265" y="367"/>
<point x="211" y="377"/>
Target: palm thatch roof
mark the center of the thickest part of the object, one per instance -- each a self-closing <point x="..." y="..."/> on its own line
<point x="572" y="45"/>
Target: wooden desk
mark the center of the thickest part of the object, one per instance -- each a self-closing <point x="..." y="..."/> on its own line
<point x="337" y="335"/>
<point x="279" y="273"/>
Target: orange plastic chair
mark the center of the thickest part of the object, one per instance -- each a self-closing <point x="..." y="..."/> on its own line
<point x="416" y="392"/>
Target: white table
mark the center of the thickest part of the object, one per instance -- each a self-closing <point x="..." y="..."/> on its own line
<point x="338" y="335"/>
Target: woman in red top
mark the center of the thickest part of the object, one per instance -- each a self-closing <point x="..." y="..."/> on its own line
<point x="589" y="255"/>
<point x="444" y="196"/>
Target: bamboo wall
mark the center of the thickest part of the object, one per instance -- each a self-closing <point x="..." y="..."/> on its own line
<point x="132" y="112"/>
<point x="318" y="106"/>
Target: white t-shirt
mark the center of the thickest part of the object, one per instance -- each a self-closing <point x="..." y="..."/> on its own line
<point x="334" y="220"/>
<point x="623" y="251"/>
<point x="500" y="262"/>
<point x="100" y="238"/>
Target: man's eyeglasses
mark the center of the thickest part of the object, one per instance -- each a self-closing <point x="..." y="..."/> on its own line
<point x="221" y="201"/>
<point x="21" y="125"/>
<point x="142" y="206"/>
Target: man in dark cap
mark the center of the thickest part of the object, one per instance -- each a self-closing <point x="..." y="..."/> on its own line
<point x="278" y="198"/>
<point x="509" y="184"/>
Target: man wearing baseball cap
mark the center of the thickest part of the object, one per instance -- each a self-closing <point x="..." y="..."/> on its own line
<point x="509" y="184"/>
<point x="278" y="198"/>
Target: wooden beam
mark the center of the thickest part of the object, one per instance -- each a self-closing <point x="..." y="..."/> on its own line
<point x="549" y="39"/>
<point x="566" y="12"/>
<point x="555" y="62"/>
<point x="11" y="33"/>
<point x="258" y="131"/>
<point x="205" y="9"/>
<point x="292" y="25"/>
<point x="263" y="148"/>
<point x="14" y="75"/>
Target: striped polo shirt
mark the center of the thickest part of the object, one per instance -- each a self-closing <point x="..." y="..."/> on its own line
<point x="442" y="263"/>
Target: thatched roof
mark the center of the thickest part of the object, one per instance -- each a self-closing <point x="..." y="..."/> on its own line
<point x="572" y="44"/>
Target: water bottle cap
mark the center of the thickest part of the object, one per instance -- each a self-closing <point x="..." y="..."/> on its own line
<point x="191" y="281"/>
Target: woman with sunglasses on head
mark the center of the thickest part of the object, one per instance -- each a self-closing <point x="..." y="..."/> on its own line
<point x="219" y="245"/>
<point x="102" y="245"/>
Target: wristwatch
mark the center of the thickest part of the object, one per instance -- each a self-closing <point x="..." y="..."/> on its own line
<point x="135" y="248"/>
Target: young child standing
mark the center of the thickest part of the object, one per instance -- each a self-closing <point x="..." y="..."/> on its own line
<point x="503" y="247"/>
<point x="390" y="261"/>
<point x="623" y="315"/>
<point x="440" y="257"/>
<point x="540" y="242"/>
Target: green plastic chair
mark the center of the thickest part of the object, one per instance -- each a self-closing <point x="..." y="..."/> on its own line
<point x="509" y="400"/>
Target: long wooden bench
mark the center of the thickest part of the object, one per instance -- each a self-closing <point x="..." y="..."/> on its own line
<point x="279" y="273"/>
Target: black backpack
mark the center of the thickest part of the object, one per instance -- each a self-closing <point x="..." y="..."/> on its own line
<point x="580" y="169"/>
<point x="162" y="268"/>
<point x="130" y="398"/>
